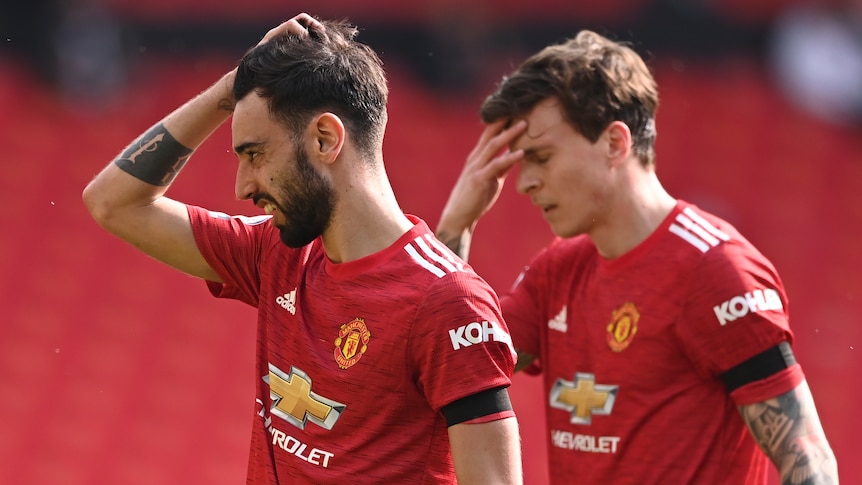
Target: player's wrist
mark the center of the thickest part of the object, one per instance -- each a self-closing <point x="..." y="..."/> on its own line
<point x="454" y="223"/>
<point x="458" y="240"/>
<point x="223" y="92"/>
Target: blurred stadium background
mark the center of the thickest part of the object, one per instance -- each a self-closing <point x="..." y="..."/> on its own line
<point x="116" y="370"/>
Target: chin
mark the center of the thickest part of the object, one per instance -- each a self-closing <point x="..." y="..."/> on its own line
<point x="565" y="232"/>
<point x="296" y="238"/>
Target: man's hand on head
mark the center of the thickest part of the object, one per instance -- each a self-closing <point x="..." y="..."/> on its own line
<point x="298" y="25"/>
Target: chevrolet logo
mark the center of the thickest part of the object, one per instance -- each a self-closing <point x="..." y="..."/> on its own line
<point x="583" y="397"/>
<point x="293" y="400"/>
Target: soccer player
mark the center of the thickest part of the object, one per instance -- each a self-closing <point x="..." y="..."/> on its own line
<point x="381" y="356"/>
<point x="661" y="333"/>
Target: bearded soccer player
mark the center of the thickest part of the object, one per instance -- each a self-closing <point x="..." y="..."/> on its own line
<point x="381" y="356"/>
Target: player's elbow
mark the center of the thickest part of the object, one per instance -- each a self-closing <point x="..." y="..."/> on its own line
<point x="99" y="203"/>
<point x="94" y="202"/>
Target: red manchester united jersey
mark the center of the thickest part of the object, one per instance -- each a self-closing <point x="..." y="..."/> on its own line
<point x="632" y="350"/>
<point x="355" y="360"/>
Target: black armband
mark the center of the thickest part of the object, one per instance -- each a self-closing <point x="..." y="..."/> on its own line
<point x="484" y="403"/>
<point x="156" y="157"/>
<point x="759" y="367"/>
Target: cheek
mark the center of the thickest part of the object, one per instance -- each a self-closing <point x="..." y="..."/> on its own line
<point x="571" y="182"/>
<point x="581" y="189"/>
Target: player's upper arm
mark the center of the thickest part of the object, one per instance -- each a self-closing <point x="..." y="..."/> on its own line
<point x="487" y="453"/>
<point x="160" y="228"/>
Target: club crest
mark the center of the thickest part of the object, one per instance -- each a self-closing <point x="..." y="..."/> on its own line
<point x="623" y="326"/>
<point x="351" y="343"/>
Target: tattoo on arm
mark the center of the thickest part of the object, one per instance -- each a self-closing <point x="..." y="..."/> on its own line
<point x="226" y="104"/>
<point x="459" y="243"/>
<point x="788" y="430"/>
<point x="156" y="157"/>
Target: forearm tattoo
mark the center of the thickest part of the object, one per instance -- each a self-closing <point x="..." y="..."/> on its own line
<point x="788" y="431"/>
<point x="459" y="244"/>
<point x="155" y="158"/>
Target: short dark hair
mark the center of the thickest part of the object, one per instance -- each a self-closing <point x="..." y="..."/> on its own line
<point x="326" y="71"/>
<point x="596" y="80"/>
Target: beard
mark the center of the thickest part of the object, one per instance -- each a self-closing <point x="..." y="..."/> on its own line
<point x="308" y="204"/>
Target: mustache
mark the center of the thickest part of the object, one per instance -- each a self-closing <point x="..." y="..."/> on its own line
<point x="259" y="197"/>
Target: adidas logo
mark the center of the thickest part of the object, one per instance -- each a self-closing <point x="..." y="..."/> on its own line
<point x="558" y="323"/>
<point x="288" y="301"/>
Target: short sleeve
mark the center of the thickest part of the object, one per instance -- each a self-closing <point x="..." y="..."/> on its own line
<point x="535" y="297"/>
<point x="460" y="344"/>
<point x="232" y="246"/>
<point x="737" y="309"/>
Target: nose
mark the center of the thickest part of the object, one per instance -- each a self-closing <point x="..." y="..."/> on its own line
<point x="527" y="179"/>
<point x="245" y="187"/>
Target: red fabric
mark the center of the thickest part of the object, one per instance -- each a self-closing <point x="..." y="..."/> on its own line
<point x="643" y="332"/>
<point x="491" y="417"/>
<point x="774" y="385"/>
<point x="420" y="319"/>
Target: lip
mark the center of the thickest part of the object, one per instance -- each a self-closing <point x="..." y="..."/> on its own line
<point x="548" y="211"/>
<point x="545" y="208"/>
<point x="276" y="220"/>
<point x="269" y="207"/>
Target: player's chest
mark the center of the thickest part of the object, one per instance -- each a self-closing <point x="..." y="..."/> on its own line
<point x="347" y="330"/>
<point x="615" y="327"/>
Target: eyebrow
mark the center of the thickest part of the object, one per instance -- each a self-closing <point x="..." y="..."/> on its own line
<point x="246" y="147"/>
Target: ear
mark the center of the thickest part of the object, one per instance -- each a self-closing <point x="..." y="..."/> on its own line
<point x="619" y="139"/>
<point x="328" y="134"/>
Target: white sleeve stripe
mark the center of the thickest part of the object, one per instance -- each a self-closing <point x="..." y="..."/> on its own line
<point x="423" y="262"/>
<point x="699" y="231"/>
<point x="434" y="256"/>
<point x="689" y="237"/>
<point x="444" y="251"/>
<point x="712" y="241"/>
<point x="705" y="224"/>
<point x="247" y="220"/>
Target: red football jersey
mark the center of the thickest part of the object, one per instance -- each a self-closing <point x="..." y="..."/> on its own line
<point x="632" y="349"/>
<point x="355" y="360"/>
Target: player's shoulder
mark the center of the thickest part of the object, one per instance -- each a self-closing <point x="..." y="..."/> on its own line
<point x="713" y="245"/>
<point x="562" y="253"/>
<point x="426" y="261"/>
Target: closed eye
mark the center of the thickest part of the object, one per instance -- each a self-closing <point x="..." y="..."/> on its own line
<point x="536" y="157"/>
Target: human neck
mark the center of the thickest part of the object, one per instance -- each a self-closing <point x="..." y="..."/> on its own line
<point x="633" y="216"/>
<point x="366" y="219"/>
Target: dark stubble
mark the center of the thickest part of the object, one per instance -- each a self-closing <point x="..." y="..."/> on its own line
<point x="307" y="203"/>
